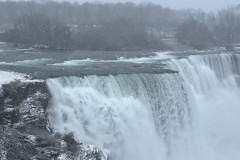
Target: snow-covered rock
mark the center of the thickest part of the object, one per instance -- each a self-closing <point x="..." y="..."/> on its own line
<point x="23" y="119"/>
<point x="7" y="77"/>
<point x="24" y="127"/>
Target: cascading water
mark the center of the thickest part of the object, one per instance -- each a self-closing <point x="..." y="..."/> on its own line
<point x="120" y="112"/>
<point x="214" y="81"/>
<point x="190" y="115"/>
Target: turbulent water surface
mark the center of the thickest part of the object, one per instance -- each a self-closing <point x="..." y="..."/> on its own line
<point x="190" y="114"/>
<point x="141" y="105"/>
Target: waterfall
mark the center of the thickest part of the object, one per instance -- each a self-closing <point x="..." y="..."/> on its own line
<point x="188" y="115"/>
<point x="214" y="82"/>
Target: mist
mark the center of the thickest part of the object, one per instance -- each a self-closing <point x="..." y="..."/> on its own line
<point x="116" y="26"/>
<point x="206" y="5"/>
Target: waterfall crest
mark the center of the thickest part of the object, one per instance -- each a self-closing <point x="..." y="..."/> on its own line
<point x="188" y="115"/>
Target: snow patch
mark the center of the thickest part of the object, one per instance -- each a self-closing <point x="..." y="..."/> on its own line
<point x="32" y="138"/>
<point x="8" y="77"/>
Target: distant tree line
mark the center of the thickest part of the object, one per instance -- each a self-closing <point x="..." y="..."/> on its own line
<point x="120" y="26"/>
<point x="202" y="30"/>
<point x="37" y="29"/>
<point x="88" y="14"/>
<point x="90" y="26"/>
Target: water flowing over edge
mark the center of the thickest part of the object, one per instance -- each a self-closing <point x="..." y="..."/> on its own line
<point x="188" y="115"/>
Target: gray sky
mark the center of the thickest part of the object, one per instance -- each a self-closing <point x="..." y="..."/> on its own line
<point x="207" y="5"/>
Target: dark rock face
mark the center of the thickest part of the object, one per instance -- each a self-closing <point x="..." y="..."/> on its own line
<point x="23" y="104"/>
<point x="71" y="143"/>
<point x="23" y="122"/>
<point x="15" y="145"/>
<point x="24" y="131"/>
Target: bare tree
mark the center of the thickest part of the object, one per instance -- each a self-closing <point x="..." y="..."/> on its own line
<point x="227" y="28"/>
<point x="195" y="34"/>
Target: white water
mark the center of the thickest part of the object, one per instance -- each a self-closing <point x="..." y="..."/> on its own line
<point x="27" y="62"/>
<point x="150" y="59"/>
<point x="193" y="115"/>
<point x="213" y="81"/>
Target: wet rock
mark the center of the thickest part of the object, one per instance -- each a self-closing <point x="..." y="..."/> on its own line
<point x="9" y="115"/>
<point x="23" y="102"/>
<point x="23" y="127"/>
<point x="71" y="143"/>
<point x="23" y="121"/>
<point x="48" y="153"/>
<point x="13" y="145"/>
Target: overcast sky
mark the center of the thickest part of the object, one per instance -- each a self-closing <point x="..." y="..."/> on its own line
<point x="207" y="5"/>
